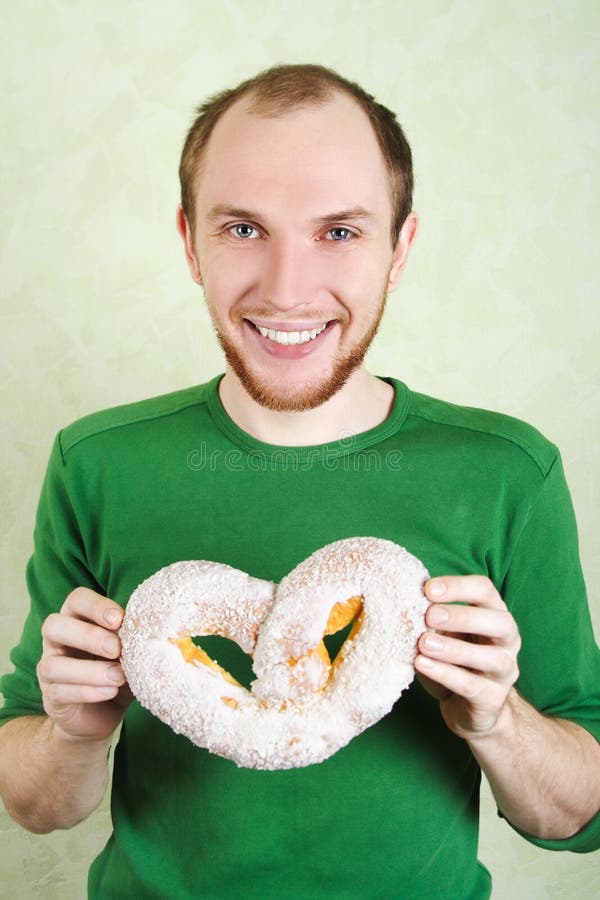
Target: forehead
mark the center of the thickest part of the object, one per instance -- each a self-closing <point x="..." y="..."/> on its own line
<point x="311" y="157"/>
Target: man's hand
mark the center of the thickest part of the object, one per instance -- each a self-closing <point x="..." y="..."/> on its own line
<point x="469" y="663"/>
<point x="83" y="685"/>
<point x="543" y="771"/>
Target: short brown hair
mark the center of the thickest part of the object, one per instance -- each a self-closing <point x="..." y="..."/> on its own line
<point x="279" y="89"/>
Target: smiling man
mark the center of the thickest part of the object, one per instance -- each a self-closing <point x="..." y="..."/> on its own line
<point x="297" y="221"/>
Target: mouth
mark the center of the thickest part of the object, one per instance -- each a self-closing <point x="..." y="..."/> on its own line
<point x="287" y="338"/>
<point x="290" y="340"/>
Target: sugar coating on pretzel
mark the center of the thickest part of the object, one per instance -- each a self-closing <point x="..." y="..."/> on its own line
<point x="301" y="708"/>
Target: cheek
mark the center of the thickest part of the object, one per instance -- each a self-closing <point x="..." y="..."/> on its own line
<point x="359" y="278"/>
<point x="349" y="272"/>
<point x="227" y="280"/>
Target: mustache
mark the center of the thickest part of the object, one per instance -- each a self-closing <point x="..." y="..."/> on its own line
<point x="271" y="312"/>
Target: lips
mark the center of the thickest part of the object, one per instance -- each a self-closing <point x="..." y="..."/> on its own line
<point x="289" y="340"/>
<point x="291" y="337"/>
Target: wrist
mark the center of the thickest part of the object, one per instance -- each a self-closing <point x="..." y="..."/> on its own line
<point x="504" y="729"/>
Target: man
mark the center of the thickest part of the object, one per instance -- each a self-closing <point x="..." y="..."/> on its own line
<point x="297" y="221"/>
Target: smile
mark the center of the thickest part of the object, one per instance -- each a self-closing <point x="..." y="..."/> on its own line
<point x="291" y="337"/>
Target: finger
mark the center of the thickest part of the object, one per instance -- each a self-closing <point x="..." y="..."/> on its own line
<point x="490" y="660"/>
<point x="472" y="686"/>
<point x="60" y="631"/>
<point x="66" y="670"/>
<point x="86" y="604"/>
<point x="432" y="687"/>
<point x="58" y="695"/>
<point x="497" y="624"/>
<point x="475" y="589"/>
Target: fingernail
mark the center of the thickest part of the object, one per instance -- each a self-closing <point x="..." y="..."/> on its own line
<point x="436" y="588"/>
<point x="115" y="673"/>
<point x="433" y="642"/>
<point x="424" y="662"/>
<point x="110" y="645"/>
<point x="437" y="615"/>
<point x="112" y="616"/>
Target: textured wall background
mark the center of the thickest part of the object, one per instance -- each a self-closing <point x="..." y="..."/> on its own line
<point x="498" y="307"/>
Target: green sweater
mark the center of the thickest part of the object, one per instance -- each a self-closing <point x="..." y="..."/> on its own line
<point x="395" y="813"/>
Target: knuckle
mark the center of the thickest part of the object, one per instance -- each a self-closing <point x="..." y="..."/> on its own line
<point x="47" y="669"/>
<point x="505" y="663"/>
<point x="72" y="598"/>
<point x="508" y="625"/>
<point x="517" y="640"/>
<point x="53" y="694"/>
<point x="50" y="624"/>
<point x="41" y="670"/>
<point x="484" y="586"/>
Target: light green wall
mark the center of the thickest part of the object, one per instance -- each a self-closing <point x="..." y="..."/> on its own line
<point x="498" y="307"/>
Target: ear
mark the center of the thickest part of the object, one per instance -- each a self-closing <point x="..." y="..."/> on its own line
<point x="185" y="231"/>
<point x="406" y="239"/>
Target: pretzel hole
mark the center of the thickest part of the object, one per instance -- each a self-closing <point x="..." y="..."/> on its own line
<point x="235" y="665"/>
<point x="344" y="621"/>
<point x="334" y="642"/>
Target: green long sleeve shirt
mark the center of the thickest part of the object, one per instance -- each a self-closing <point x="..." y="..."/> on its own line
<point x="395" y="813"/>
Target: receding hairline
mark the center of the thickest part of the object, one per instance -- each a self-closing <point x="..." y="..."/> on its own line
<point x="283" y="90"/>
<point x="263" y="100"/>
<point x="285" y="87"/>
<point x="262" y="106"/>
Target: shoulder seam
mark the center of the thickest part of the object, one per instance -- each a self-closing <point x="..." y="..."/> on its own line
<point x="66" y="446"/>
<point x="517" y="442"/>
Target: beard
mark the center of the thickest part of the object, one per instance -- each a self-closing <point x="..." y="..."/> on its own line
<point x="312" y="394"/>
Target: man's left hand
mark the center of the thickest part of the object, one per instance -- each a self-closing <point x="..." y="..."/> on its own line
<point x="469" y="663"/>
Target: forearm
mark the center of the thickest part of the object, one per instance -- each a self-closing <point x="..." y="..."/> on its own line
<point x="49" y="780"/>
<point x="544" y="772"/>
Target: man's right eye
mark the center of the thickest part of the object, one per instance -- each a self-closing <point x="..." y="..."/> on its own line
<point x="244" y="231"/>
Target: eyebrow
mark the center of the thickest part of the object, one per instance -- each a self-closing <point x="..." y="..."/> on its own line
<point x="343" y="215"/>
<point x="224" y="211"/>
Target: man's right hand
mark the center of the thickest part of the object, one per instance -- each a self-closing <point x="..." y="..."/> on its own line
<point x="83" y="686"/>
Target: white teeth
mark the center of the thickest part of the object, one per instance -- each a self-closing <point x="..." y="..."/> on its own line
<point x="291" y="337"/>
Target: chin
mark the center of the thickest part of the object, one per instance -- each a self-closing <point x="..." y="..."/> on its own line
<point x="292" y="398"/>
<point x="291" y="401"/>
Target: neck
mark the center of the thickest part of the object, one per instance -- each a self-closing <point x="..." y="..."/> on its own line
<point x="363" y="403"/>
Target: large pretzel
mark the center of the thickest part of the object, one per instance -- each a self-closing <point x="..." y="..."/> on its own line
<point x="301" y="708"/>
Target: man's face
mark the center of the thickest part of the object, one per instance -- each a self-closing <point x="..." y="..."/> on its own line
<point x="292" y="246"/>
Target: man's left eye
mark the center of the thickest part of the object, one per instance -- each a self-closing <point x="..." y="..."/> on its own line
<point x="339" y="234"/>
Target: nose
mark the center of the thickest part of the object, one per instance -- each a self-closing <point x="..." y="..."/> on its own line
<point x="287" y="274"/>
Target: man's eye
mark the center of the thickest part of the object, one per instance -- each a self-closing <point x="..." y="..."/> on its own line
<point x="244" y="231"/>
<point x="339" y="234"/>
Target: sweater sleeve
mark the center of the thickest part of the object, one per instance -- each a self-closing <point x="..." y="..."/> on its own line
<point x="58" y="565"/>
<point x="559" y="660"/>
